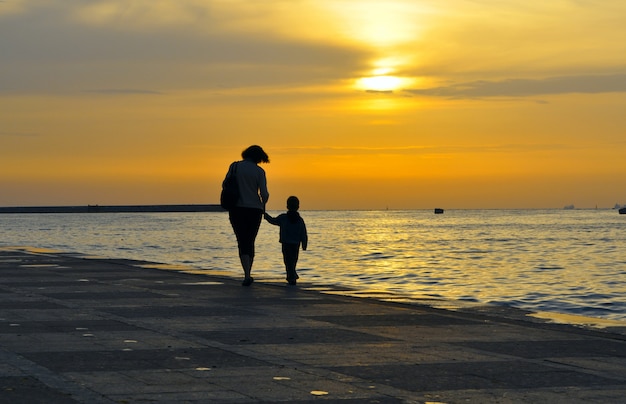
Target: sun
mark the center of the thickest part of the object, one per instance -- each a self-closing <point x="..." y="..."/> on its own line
<point x="383" y="83"/>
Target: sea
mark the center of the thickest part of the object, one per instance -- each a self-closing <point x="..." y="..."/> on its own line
<point x="567" y="265"/>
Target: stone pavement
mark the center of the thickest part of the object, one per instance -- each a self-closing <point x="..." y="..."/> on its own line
<point x="92" y="330"/>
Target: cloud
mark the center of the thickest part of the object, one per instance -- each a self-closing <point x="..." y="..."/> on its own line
<point x="122" y="91"/>
<point x="495" y="148"/>
<point x="46" y="48"/>
<point x="379" y="91"/>
<point x="11" y="7"/>
<point x="18" y="134"/>
<point x="587" y="84"/>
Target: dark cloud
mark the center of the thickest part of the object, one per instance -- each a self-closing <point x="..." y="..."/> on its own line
<point x="588" y="84"/>
<point x="122" y="91"/>
<point x="379" y="91"/>
<point x="46" y="50"/>
<point x="18" y="134"/>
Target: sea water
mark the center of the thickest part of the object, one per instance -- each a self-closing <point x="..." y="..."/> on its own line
<point x="559" y="261"/>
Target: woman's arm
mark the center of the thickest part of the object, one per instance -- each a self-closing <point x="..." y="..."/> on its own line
<point x="265" y="195"/>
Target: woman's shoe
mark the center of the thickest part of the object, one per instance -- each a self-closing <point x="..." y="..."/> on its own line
<point x="247" y="281"/>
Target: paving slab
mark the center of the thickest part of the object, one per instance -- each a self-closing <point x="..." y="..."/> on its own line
<point x="78" y="329"/>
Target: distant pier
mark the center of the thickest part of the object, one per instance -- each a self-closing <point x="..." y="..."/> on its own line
<point x="112" y="208"/>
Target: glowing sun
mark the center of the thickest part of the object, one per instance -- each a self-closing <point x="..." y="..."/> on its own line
<point x="379" y="83"/>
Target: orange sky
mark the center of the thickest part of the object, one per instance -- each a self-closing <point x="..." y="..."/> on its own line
<point x="360" y="104"/>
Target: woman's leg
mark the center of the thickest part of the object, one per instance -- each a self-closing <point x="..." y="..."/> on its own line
<point x="246" y="223"/>
<point x="246" y="264"/>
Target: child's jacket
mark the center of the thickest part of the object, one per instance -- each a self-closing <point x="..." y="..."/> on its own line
<point x="291" y="232"/>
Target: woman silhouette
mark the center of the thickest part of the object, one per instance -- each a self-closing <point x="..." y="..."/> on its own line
<point x="246" y="216"/>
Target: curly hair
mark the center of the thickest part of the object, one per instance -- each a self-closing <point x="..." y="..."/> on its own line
<point x="256" y="154"/>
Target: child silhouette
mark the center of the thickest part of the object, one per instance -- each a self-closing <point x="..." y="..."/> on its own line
<point x="292" y="233"/>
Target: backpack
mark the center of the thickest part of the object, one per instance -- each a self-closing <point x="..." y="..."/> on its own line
<point x="230" y="189"/>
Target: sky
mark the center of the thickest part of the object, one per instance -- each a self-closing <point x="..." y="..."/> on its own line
<point x="360" y="104"/>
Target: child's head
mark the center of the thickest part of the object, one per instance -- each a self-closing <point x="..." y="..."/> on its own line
<point x="293" y="203"/>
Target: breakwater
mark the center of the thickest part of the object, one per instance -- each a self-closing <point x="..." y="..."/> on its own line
<point x="112" y="208"/>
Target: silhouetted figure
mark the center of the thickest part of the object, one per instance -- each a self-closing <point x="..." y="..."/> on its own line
<point x="292" y="233"/>
<point x="246" y="216"/>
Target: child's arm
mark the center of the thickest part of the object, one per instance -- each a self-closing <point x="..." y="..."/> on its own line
<point x="270" y="219"/>
<point x="305" y="237"/>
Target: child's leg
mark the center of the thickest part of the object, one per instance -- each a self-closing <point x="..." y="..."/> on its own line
<point x="287" y="262"/>
<point x="290" y="258"/>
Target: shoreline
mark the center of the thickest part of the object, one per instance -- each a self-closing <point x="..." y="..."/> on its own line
<point x="513" y="314"/>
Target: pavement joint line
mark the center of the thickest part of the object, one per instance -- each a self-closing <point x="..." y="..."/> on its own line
<point x="569" y="366"/>
<point x="51" y="379"/>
